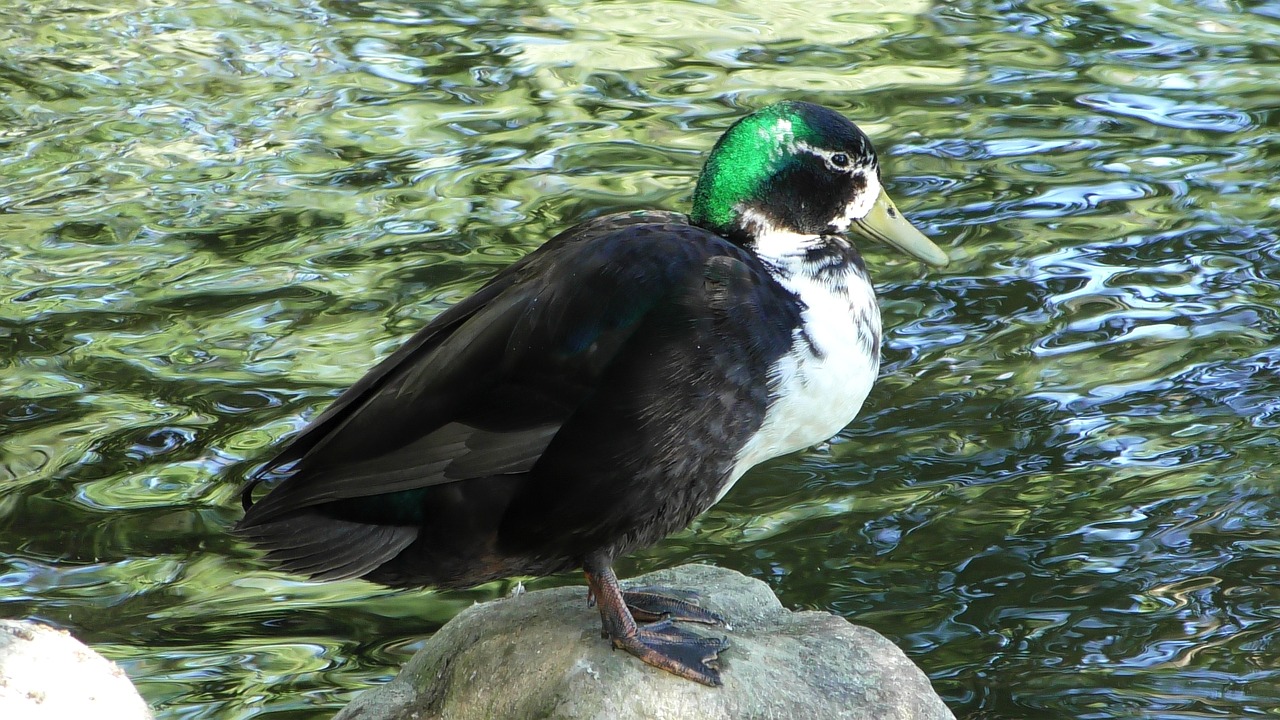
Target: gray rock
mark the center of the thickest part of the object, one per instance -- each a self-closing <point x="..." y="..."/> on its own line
<point x="47" y="674"/>
<point x="540" y="655"/>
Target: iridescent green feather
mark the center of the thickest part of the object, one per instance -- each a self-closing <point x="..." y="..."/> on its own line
<point x="739" y="166"/>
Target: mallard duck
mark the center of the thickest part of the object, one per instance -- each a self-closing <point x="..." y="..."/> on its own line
<point x="606" y="389"/>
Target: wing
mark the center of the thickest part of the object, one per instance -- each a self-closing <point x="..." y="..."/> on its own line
<point x="485" y="388"/>
<point x="657" y="442"/>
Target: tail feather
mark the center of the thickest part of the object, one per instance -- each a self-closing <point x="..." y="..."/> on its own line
<point x="325" y="548"/>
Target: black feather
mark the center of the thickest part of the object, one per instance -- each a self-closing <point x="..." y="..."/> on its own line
<point x="535" y="420"/>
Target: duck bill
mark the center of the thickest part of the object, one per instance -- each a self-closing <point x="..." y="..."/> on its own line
<point x="886" y="224"/>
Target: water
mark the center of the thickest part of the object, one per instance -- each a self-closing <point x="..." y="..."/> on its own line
<point x="1060" y="500"/>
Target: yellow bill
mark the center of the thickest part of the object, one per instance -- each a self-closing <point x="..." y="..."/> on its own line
<point x="886" y="224"/>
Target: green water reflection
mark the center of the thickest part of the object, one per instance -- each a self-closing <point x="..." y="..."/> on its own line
<point x="214" y="215"/>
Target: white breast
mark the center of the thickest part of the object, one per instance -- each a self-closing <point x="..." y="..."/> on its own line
<point x="820" y="385"/>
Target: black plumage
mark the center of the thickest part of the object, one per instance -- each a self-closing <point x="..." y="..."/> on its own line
<point x="622" y="363"/>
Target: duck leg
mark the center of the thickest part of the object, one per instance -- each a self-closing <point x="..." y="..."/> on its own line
<point x="661" y="644"/>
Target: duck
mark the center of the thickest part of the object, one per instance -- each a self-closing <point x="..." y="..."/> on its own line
<point x="607" y="388"/>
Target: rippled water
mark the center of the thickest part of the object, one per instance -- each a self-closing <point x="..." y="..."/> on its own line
<point x="1060" y="500"/>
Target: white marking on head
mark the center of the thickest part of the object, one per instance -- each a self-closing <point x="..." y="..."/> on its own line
<point x="828" y="156"/>
<point x="861" y="203"/>
<point x="779" y="134"/>
<point x="864" y="200"/>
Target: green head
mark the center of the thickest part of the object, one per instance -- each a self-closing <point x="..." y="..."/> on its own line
<point x="800" y="168"/>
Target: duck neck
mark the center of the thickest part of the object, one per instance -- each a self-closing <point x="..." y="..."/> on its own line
<point x="790" y="254"/>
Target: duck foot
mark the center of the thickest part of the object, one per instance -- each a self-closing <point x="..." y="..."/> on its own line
<point x="653" y="602"/>
<point x="661" y="644"/>
<point x="665" y="645"/>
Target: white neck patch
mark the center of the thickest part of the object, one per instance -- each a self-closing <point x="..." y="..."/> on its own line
<point x="773" y="244"/>
<point x="819" y="386"/>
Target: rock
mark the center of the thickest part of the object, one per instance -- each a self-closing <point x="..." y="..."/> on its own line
<point x="540" y="655"/>
<point x="46" y="673"/>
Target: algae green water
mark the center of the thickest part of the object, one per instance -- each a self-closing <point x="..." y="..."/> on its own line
<point x="1060" y="499"/>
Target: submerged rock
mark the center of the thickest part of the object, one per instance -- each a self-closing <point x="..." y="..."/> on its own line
<point x="540" y="655"/>
<point x="47" y="674"/>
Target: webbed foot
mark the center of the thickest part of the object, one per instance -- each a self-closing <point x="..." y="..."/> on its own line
<point x="661" y="644"/>
<point x="654" y="602"/>
<point x="680" y="652"/>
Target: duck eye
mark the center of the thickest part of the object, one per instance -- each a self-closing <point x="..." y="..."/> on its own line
<point x="840" y="160"/>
